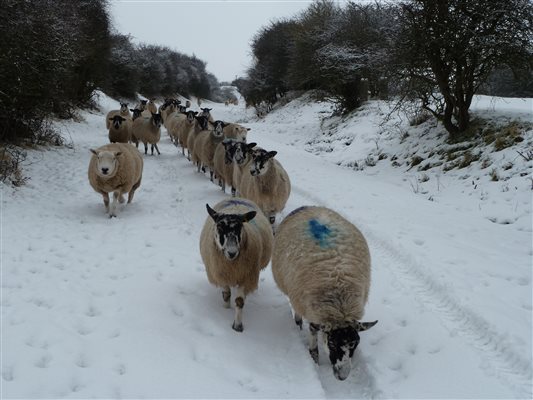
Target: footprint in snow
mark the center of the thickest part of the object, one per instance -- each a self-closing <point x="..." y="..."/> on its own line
<point x="44" y="361"/>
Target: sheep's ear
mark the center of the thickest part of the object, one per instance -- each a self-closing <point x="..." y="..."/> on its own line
<point x="250" y="146"/>
<point x="249" y="216"/>
<point x="118" y="153"/>
<point x="211" y="212"/>
<point x="248" y="129"/>
<point x="132" y="109"/>
<point x="363" y="326"/>
<point x="271" y="154"/>
<point x="195" y="112"/>
<point x="224" y="124"/>
<point x="94" y="152"/>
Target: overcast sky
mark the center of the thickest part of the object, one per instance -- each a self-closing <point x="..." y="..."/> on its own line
<point x="217" y="32"/>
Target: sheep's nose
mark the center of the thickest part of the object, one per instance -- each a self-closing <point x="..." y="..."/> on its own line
<point x="105" y="171"/>
<point x="232" y="254"/>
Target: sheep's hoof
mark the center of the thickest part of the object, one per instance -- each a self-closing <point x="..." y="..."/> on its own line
<point x="239" y="328"/>
<point x="314" y="354"/>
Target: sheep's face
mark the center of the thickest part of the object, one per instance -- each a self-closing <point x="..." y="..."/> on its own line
<point x="242" y="149"/>
<point x="157" y="120"/>
<point x="106" y="162"/>
<point x="136" y="113"/>
<point x="117" y="120"/>
<point x="124" y="107"/>
<point x="228" y="231"/>
<point x="206" y="112"/>
<point x="191" y="116"/>
<point x="229" y="150"/>
<point x="203" y="122"/>
<point x="340" y="344"/>
<point x="260" y="164"/>
<point x="218" y="128"/>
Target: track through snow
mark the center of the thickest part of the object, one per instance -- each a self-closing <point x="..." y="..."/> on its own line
<point x="121" y="308"/>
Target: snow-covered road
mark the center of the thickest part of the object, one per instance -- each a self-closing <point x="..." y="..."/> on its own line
<point x="121" y="308"/>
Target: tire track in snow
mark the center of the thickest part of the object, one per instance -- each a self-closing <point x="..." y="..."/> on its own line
<point x="500" y="358"/>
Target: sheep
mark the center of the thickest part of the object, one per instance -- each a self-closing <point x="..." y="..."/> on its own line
<point x="151" y="106"/>
<point x="205" y="144"/>
<point x="123" y="112"/>
<point x="235" y="245"/>
<point x="172" y="122"/>
<point x="242" y="157"/>
<point x="206" y="112"/>
<point x="142" y="105"/>
<point x="223" y="164"/>
<point x="236" y="131"/>
<point x="117" y="168"/>
<point x="120" y="129"/>
<point x="148" y="130"/>
<point x="200" y="124"/>
<point x="321" y="262"/>
<point x="180" y="131"/>
<point x="136" y="113"/>
<point x="266" y="183"/>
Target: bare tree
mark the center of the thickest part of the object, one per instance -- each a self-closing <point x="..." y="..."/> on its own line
<point x="446" y="49"/>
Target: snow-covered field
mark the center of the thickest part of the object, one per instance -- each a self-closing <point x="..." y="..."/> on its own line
<point x="121" y="308"/>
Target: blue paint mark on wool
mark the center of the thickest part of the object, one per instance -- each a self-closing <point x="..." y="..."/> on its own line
<point x="321" y="233"/>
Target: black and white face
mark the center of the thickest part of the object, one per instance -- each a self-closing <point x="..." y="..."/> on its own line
<point x="157" y="120"/>
<point x="218" y="128"/>
<point x="240" y="152"/>
<point x="229" y="150"/>
<point x="117" y="121"/>
<point x="228" y="235"/>
<point x="191" y="116"/>
<point x="203" y="122"/>
<point x="106" y="163"/>
<point x="228" y="231"/>
<point x="340" y="345"/>
<point x="136" y="113"/>
<point x="260" y="164"/>
<point x="124" y="107"/>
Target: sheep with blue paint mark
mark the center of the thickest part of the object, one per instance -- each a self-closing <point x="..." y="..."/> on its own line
<point x="235" y="245"/>
<point x="321" y="262"/>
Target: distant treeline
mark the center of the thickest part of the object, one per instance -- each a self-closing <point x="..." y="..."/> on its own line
<point x="440" y="52"/>
<point x="55" y="53"/>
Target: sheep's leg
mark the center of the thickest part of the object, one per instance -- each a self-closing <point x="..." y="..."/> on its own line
<point x="223" y="185"/>
<point x="313" y="342"/>
<point x="298" y="320"/>
<point x="132" y="191"/>
<point x="156" y="149"/>
<point x="226" y="296"/>
<point x="239" y="304"/>
<point x="113" y="209"/>
<point x="199" y="167"/>
<point x="106" y="201"/>
<point x="233" y="191"/>
<point x="145" y="148"/>
<point x="211" y="175"/>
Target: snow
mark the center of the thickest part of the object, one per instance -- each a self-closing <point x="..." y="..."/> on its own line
<point x="121" y="308"/>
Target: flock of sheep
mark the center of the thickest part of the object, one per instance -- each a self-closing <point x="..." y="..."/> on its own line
<point x="320" y="261"/>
